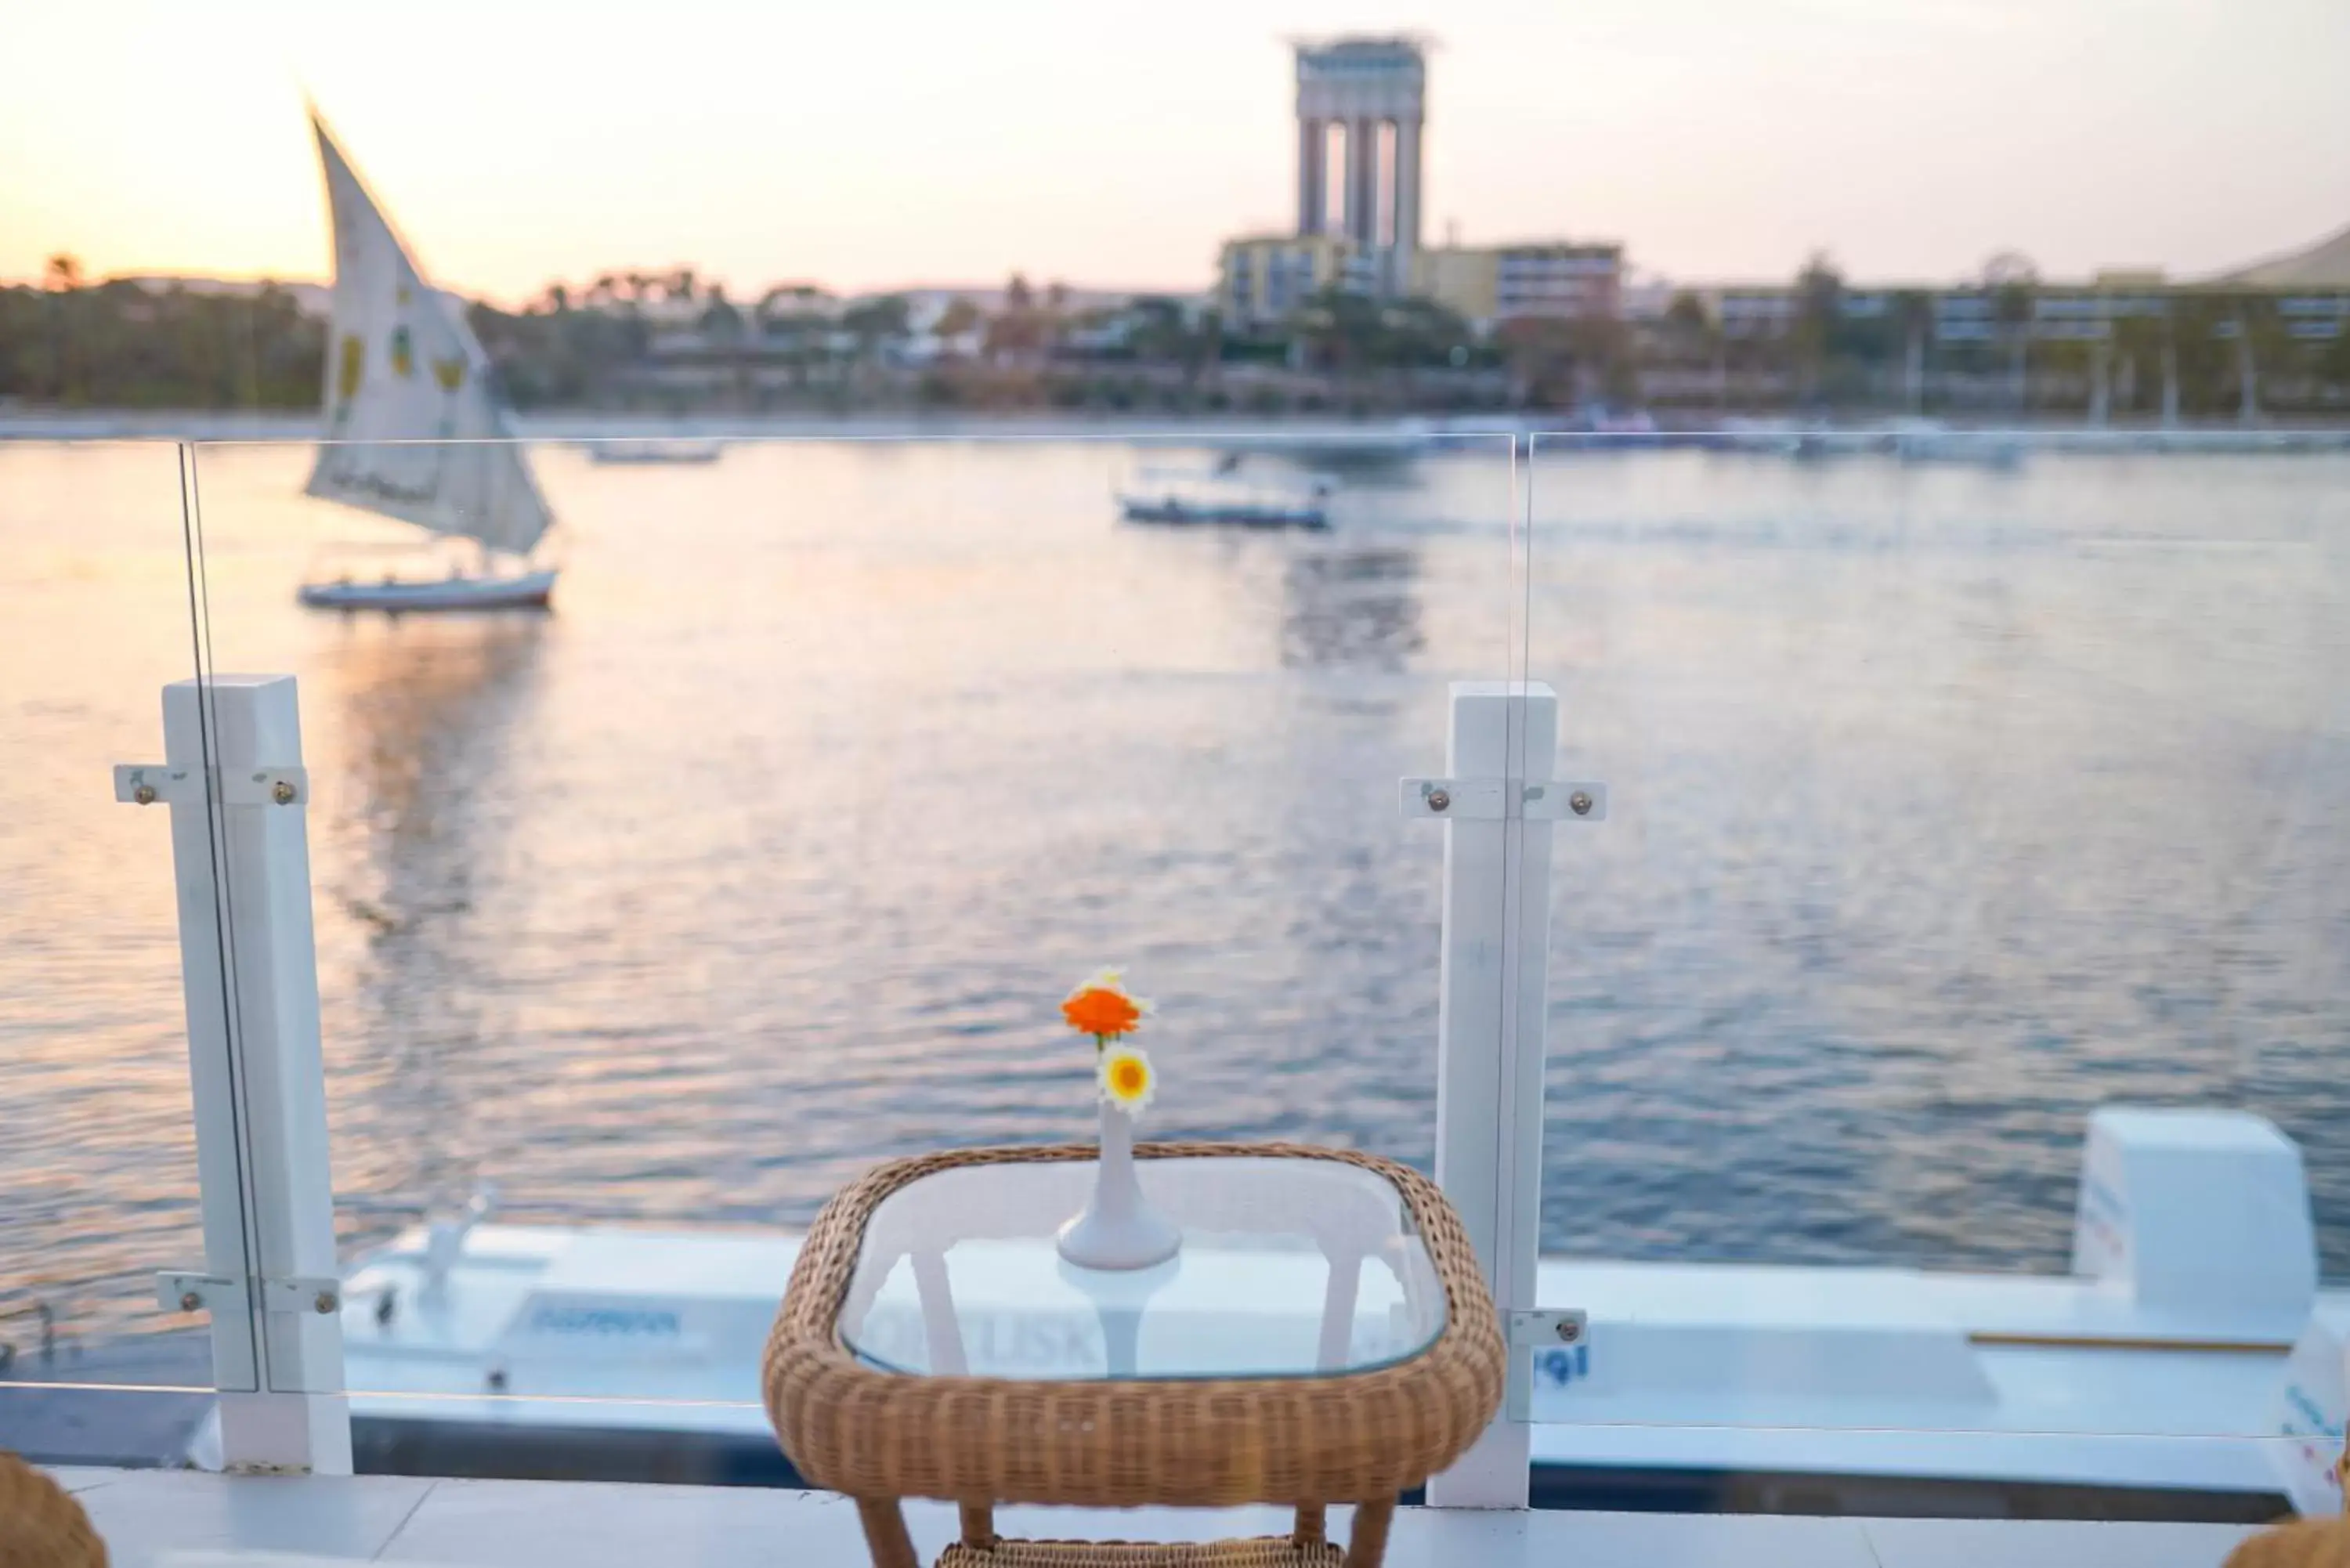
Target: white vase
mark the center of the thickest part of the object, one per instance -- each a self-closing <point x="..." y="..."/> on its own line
<point x="1118" y="1229"/>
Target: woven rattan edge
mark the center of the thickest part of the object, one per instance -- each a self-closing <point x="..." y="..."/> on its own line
<point x="41" y="1525"/>
<point x="1204" y="1443"/>
<point x="1253" y="1552"/>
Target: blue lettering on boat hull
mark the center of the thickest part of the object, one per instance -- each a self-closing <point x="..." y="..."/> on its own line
<point x="606" y="1323"/>
<point x="1562" y="1366"/>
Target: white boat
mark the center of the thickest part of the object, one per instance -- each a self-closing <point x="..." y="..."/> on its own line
<point x="530" y="590"/>
<point x="631" y="449"/>
<point x="1349" y="445"/>
<point x="1222" y="495"/>
<point x="415" y="429"/>
<point x="1931" y="440"/>
<point x="2186" y="1367"/>
<point x="1770" y="437"/>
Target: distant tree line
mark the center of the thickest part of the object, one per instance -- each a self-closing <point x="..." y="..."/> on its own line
<point x="671" y="341"/>
<point x="2208" y="351"/>
<point x="124" y="345"/>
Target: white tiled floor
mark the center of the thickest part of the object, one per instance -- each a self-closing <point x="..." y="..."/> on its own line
<point x="147" y="1516"/>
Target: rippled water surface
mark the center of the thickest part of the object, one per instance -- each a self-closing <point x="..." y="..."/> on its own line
<point x="1948" y="803"/>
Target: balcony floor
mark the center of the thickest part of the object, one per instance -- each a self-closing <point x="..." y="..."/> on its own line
<point x="154" y="1518"/>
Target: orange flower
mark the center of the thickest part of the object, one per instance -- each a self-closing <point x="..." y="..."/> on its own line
<point x="1102" y="1008"/>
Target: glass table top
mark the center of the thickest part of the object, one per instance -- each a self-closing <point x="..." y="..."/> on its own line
<point x="1289" y="1268"/>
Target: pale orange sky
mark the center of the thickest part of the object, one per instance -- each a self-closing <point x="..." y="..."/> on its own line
<point x="882" y="145"/>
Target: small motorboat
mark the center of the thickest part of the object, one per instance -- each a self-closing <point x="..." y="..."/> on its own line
<point x="1221" y="496"/>
<point x="1931" y="440"/>
<point x="634" y="450"/>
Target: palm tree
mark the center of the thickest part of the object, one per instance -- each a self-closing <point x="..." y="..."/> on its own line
<point x="1819" y="306"/>
<point x="2198" y="352"/>
<point x="2141" y="346"/>
<point x="1340" y="330"/>
<point x="959" y="318"/>
<point x="2262" y="338"/>
<point x="2170" y="377"/>
<point x="721" y="322"/>
<point x="1914" y="315"/>
<point x="64" y="273"/>
<point x="876" y="321"/>
<point x="1694" y="336"/>
<point x="2014" y="284"/>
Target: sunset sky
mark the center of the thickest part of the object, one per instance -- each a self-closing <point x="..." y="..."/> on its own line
<point x="883" y="144"/>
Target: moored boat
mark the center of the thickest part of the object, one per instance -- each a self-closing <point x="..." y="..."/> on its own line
<point x="2188" y="1365"/>
<point x="1222" y="495"/>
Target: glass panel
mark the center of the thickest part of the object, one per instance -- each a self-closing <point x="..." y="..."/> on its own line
<point x="648" y="920"/>
<point x="1963" y="791"/>
<point x="98" y="1151"/>
<point x="1288" y="1268"/>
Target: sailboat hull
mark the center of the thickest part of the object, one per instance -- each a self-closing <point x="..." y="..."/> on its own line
<point x="530" y="590"/>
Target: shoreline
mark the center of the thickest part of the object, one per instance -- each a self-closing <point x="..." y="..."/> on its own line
<point x="1386" y="433"/>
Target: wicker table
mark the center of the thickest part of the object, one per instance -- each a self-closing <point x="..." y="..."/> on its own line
<point x="1325" y="1336"/>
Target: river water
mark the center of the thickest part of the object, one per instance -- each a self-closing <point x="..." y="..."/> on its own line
<point x="1947" y="805"/>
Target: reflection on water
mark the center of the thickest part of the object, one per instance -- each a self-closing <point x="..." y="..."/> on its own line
<point x="1352" y="606"/>
<point x="97" y="1155"/>
<point x="422" y="703"/>
<point x="1948" y="809"/>
<point x="1948" y="804"/>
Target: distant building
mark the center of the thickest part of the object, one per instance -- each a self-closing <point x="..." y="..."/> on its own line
<point x="1267" y="276"/>
<point x="1554" y="279"/>
<point x="1361" y="112"/>
<point x="1263" y="277"/>
<point x="1765" y="311"/>
<point x="1646" y="299"/>
<point x="1490" y="284"/>
<point x="1361" y="120"/>
<point x="2041" y="312"/>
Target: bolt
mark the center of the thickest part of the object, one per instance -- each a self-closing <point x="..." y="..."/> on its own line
<point x="144" y="795"/>
<point x="1438" y="800"/>
<point x="1579" y="802"/>
<point x="190" y="1301"/>
<point x="325" y="1302"/>
<point x="282" y="792"/>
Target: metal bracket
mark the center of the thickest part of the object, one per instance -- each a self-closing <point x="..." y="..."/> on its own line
<point x="1557" y="1329"/>
<point x="150" y="784"/>
<point x="186" y="1290"/>
<point x="1487" y="800"/>
<point x="1547" y="1326"/>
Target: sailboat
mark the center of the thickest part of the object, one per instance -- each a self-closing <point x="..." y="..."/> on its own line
<point x="415" y="428"/>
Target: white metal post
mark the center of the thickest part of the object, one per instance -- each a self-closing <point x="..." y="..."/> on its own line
<point x="240" y="848"/>
<point x="1491" y="1007"/>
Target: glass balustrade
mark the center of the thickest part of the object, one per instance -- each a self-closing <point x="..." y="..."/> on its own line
<point x="767" y="847"/>
<point x="99" y="1160"/>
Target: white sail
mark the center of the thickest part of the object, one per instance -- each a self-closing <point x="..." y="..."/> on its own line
<point x="414" y="428"/>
